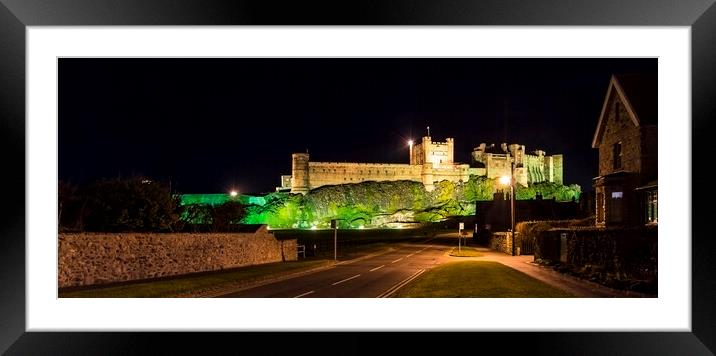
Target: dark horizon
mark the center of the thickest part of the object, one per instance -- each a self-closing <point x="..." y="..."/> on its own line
<point x="211" y="125"/>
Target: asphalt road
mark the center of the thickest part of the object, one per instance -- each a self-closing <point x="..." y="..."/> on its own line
<point x="375" y="275"/>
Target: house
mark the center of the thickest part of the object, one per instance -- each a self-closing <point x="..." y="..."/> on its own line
<point x="626" y="136"/>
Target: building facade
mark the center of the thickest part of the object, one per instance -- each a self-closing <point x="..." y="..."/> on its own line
<point x="626" y="137"/>
<point x="430" y="162"/>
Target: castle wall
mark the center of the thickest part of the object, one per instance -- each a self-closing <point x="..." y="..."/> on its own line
<point x="535" y="168"/>
<point x="331" y="173"/>
<point x="497" y="166"/>
<point x="453" y="173"/>
<point x="429" y="162"/>
<point x="557" y="167"/>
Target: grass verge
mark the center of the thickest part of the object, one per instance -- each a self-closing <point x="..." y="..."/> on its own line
<point x="166" y="288"/>
<point x="465" y="252"/>
<point x="477" y="279"/>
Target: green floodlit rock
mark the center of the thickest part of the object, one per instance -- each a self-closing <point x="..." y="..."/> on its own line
<point x="370" y="204"/>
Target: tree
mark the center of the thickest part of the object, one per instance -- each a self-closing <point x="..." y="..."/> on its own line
<point x="70" y="204"/>
<point x="224" y="215"/>
<point x="131" y="205"/>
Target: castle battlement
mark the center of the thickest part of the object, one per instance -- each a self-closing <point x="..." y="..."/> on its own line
<point x="430" y="162"/>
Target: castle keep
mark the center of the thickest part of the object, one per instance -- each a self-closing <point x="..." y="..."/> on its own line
<point x="430" y="162"/>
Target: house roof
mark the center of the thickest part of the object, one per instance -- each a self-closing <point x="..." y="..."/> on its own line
<point x="638" y="92"/>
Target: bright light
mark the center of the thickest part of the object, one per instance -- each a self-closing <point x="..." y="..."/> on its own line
<point x="234" y="193"/>
<point x="361" y="227"/>
<point x="314" y="227"/>
<point x="505" y="180"/>
<point x="410" y="142"/>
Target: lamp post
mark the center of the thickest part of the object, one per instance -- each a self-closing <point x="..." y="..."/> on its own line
<point x="410" y="159"/>
<point x="511" y="181"/>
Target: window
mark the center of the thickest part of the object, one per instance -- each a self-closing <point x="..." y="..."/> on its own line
<point x="617" y="156"/>
<point x="617" y="195"/>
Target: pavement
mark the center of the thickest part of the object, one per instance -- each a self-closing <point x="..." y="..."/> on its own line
<point x="372" y="276"/>
<point x="381" y="274"/>
<point x="577" y="287"/>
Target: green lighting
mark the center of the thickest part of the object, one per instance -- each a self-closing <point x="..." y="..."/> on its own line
<point x="364" y="205"/>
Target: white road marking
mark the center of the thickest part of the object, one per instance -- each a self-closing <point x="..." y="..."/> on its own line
<point x="365" y="257"/>
<point x="304" y="294"/>
<point x="398" y="260"/>
<point x="395" y="288"/>
<point x="347" y="279"/>
<point x="377" y="268"/>
<point x="409" y="255"/>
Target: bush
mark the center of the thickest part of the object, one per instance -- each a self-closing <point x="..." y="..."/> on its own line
<point x="623" y="258"/>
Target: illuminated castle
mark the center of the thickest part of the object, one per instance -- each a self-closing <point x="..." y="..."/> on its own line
<point x="430" y="162"/>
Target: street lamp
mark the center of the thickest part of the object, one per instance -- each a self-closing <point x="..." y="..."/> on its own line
<point x="505" y="180"/>
<point x="234" y="193"/>
<point x="410" y="159"/>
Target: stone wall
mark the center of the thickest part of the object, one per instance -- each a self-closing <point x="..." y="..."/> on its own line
<point x="331" y="173"/>
<point x="99" y="258"/>
<point x="557" y="168"/>
<point x="502" y="241"/>
<point x="529" y="169"/>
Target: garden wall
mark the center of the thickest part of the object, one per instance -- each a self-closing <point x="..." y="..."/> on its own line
<point x="502" y="241"/>
<point x="99" y="258"/>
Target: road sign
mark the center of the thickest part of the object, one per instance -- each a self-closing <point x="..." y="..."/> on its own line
<point x="333" y="223"/>
<point x="462" y="226"/>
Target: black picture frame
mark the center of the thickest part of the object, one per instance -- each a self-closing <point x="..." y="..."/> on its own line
<point x="16" y="15"/>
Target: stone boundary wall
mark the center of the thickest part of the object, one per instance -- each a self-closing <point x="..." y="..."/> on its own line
<point x="99" y="258"/>
<point x="502" y="241"/>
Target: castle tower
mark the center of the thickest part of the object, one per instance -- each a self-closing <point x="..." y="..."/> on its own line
<point x="426" y="176"/>
<point x="518" y="153"/>
<point x="451" y="150"/>
<point x="299" y="173"/>
<point x="553" y="169"/>
<point x="427" y="149"/>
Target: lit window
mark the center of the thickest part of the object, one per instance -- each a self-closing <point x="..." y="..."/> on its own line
<point x="617" y="195"/>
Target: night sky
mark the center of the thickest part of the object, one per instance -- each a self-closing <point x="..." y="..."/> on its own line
<point x="211" y="125"/>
